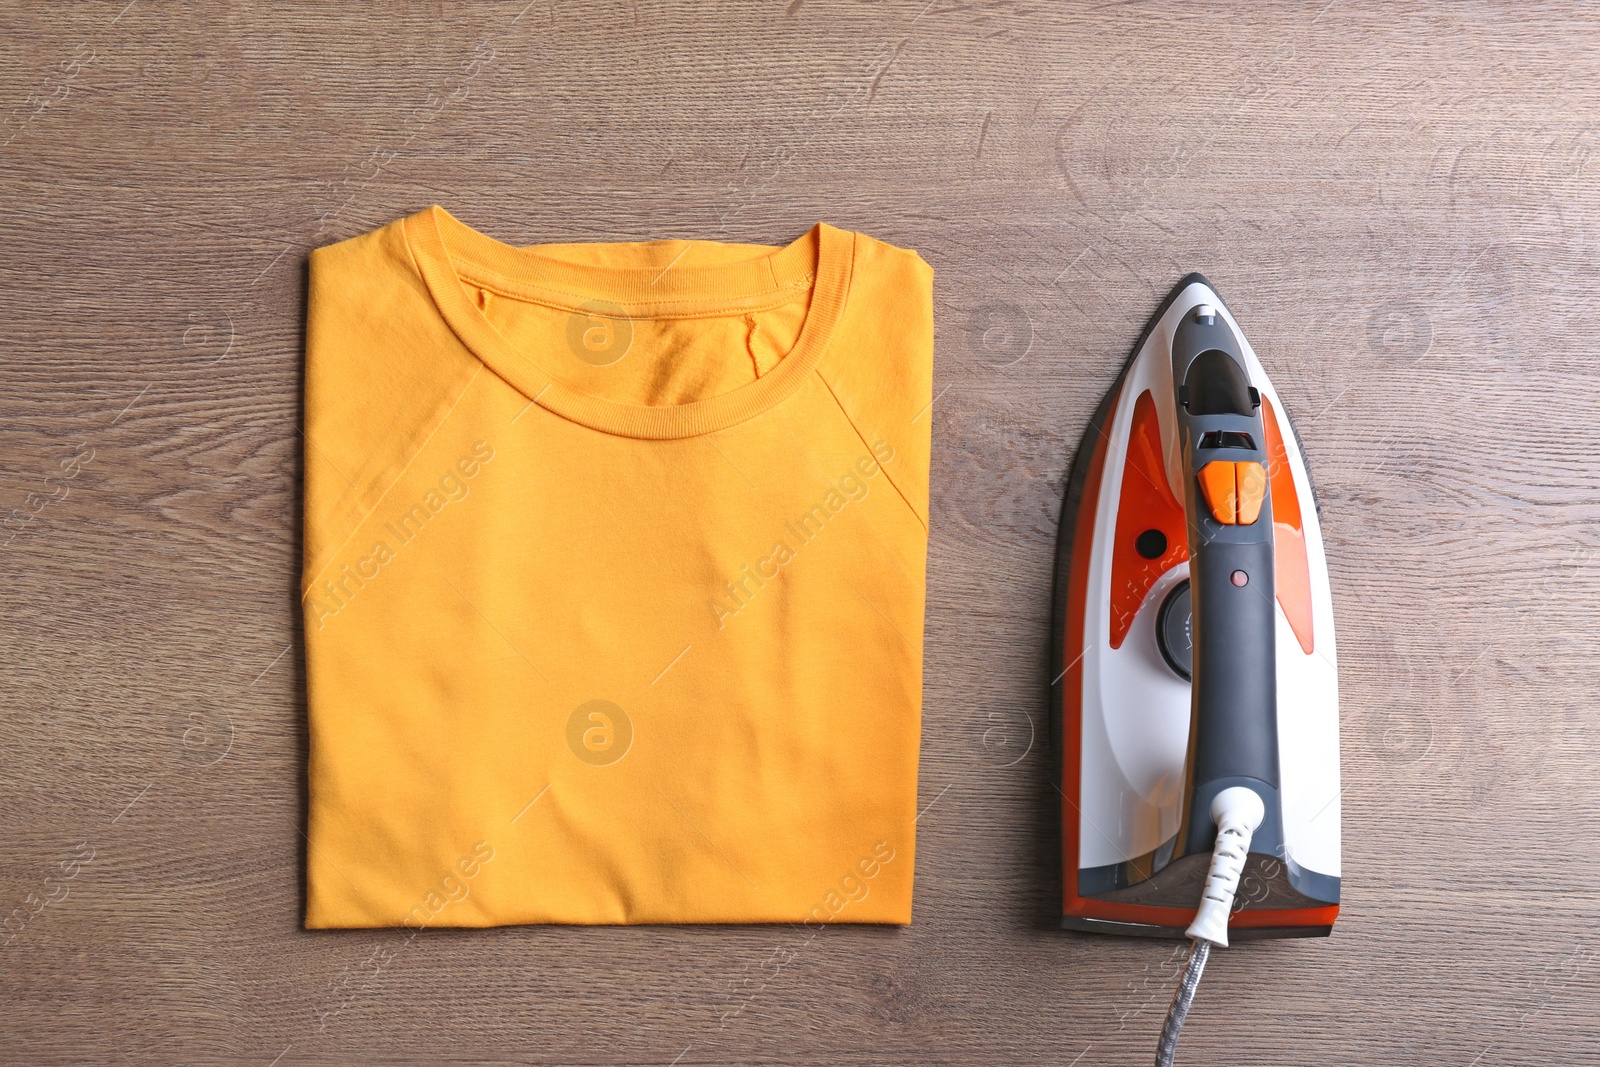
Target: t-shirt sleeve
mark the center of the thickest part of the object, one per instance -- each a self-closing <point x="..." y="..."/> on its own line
<point x="885" y="385"/>
<point x="382" y="372"/>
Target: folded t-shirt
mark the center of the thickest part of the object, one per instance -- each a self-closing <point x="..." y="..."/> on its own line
<point x="614" y="578"/>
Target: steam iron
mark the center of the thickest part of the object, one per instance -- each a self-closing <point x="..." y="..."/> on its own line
<point x="1193" y="653"/>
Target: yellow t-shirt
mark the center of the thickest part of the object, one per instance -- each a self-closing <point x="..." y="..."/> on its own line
<point x="614" y="578"/>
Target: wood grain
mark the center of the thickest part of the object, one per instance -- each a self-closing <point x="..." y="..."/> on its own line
<point x="1399" y="202"/>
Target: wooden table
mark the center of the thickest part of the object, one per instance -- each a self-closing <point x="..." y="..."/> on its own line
<point x="1401" y="204"/>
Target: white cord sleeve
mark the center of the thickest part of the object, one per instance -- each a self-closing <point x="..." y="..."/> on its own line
<point x="1238" y="812"/>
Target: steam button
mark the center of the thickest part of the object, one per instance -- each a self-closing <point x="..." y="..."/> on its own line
<point x="1234" y="490"/>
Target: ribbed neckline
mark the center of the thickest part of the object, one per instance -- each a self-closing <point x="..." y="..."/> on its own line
<point x="448" y="252"/>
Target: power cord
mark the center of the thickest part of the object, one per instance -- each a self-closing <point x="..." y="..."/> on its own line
<point x="1238" y="812"/>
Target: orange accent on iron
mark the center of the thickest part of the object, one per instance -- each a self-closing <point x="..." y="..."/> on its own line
<point x="1072" y="679"/>
<point x="1291" y="567"/>
<point x="1146" y="503"/>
